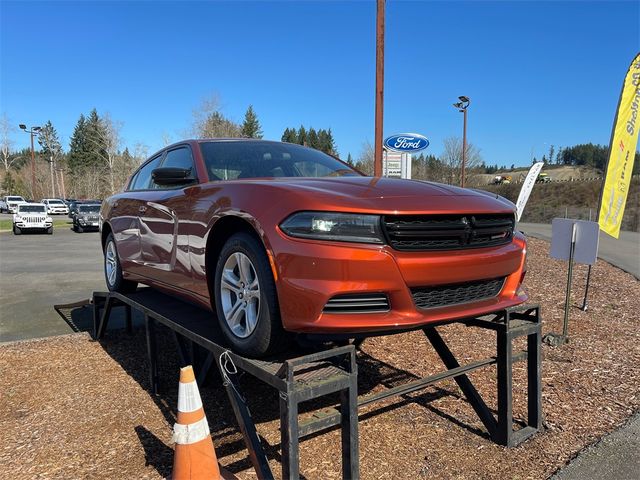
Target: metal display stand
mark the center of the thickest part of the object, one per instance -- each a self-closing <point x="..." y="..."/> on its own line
<point x="330" y="371"/>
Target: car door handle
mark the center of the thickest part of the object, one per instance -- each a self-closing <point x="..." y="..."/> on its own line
<point x="142" y="209"/>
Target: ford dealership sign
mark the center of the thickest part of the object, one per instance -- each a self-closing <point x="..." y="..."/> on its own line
<point x="406" y="142"/>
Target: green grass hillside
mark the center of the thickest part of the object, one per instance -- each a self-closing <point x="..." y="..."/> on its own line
<point x="575" y="199"/>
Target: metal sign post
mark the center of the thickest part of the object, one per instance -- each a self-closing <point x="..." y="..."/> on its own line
<point x="575" y="241"/>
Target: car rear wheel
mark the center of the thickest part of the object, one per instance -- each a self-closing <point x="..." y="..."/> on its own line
<point x="113" y="270"/>
<point x="245" y="298"/>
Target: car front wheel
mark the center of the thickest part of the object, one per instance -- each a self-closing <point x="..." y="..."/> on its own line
<point x="113" y="270"/>
<point x="17" y="230"/>
<point x="245" y="298"/>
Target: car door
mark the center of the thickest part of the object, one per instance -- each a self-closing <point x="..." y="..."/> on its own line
<point x="164" y="224"/>
<point x="124" y="220"/>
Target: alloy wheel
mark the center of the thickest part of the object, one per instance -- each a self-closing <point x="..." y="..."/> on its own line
<point x="111" y="263"/>
<point x="240" y="294"/>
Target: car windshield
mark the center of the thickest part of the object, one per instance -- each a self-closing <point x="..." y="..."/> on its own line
<point x="89" y="208"/>
<point x="31" y="209"/>
<point x="231" y="160"/>
<point x="15" y="199"/>
<point x="56" y="202"/>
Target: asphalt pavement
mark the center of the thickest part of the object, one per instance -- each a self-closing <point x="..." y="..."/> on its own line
<point x="38" y="271"/>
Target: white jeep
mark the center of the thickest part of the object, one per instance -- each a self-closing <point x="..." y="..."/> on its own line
<point x="32" y="216"/>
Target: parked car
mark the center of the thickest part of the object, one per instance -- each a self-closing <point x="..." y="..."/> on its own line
<point x="55" y="206"/>
<point x="30" y="217"/>
<point x="86" y="217"/>
<point x="73" y="206"/>
<point x="10" y="203"/>
<point x="278" y="238"/>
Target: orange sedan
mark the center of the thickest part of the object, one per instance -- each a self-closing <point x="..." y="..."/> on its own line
<point x="278" y="238"/>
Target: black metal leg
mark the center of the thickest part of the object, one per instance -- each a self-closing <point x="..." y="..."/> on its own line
<point x="289" y="437"/>
<point x="505" y="388"/>
<point x="474" y="398"/>
<point x="150" y="327"/>
<point x="534" y="379"/>
<point x="128" y="320"/>
<point x="349" y="430"/>
<point x="247" y="427"/>
<point x="203" y="369"/>
<point x="96" y="317"/>
<point x="104" y="319"/>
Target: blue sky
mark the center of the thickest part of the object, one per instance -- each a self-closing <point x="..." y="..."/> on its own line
<point x="537" y="73"/>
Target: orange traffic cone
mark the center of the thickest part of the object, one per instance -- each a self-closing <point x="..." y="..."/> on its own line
<point x="194" y="457"/>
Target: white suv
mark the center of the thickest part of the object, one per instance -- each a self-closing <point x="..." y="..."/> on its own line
<point x="32" y="216"/>
<point x="10" y="203"/>
<point x="55" y="206"/>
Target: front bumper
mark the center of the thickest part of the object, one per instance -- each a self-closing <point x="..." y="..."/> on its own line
<point x="309" y="273"/>
<point x="34" y="226"/>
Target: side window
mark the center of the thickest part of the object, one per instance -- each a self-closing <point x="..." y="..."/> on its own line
<point x="143" y="181"/>
<point x="180" y="158"/>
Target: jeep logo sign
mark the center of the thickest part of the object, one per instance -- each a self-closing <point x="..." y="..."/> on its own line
<point x="406" y="142"/>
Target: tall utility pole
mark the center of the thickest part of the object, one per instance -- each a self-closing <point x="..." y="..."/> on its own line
<point x="377" y="159"/>
<point x="33" y="131"/>
<point x="462" y="106"/>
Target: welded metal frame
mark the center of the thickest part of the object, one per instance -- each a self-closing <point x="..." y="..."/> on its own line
<point x="297" y="380"/>
<point x="335" y="371"/>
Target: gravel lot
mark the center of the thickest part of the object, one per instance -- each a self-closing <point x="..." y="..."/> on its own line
<point x="73" y="408"/>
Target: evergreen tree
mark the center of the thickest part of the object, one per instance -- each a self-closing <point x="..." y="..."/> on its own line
<point x="96" y="144"/>
<point x="312" y="139"/>
<point x="78" y="145"/>
<point x="350" y="160"/>
<point x="302" y="136"/>
<point x="251" y="125"/>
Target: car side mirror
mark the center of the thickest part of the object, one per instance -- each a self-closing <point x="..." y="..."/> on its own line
<point x="172" y="176"/>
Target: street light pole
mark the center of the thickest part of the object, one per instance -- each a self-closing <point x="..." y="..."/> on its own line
<point x="377" y="156"/>
<point x="462" y="106"/>
<point x="33" y="131"/>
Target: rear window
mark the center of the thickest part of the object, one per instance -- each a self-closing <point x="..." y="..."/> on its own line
<point x="237" y="160"/>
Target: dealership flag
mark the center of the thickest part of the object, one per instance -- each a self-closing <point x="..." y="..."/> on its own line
<point x="622" y="152"/>
<point x="527" y="186"/>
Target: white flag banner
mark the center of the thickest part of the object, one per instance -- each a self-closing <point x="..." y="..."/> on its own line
<point x="527" y="186"/>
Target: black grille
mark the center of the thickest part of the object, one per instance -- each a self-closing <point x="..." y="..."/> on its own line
<point x="448" y="232"/>
<point x="358" y="303"/>
<point x="444" y="295"/>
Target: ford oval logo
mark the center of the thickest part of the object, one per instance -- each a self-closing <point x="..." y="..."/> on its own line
<point x="406" y="142"/>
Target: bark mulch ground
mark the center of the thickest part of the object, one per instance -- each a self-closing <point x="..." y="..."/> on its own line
<point x="73" y="408"/>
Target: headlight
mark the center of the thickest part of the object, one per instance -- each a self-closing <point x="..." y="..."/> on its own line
<point x="340" y="227"/>
<point x="18" y="219"/>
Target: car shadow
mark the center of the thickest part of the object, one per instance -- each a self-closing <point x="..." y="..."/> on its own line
<point x="129" y="351"/>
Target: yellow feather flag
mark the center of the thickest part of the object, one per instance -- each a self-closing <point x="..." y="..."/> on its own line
<point x="622" y="152"/>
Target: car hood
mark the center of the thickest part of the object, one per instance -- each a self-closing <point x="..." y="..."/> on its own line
<point x="389" y="194"/>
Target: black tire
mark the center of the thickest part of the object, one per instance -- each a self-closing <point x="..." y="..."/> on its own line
<point x="79" y="229"/>
<point x="267" y="336"/>
<point x="117" y="283"/>
<point x="50" y="231"/>
<point x="17" y="230"/>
